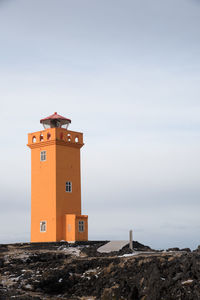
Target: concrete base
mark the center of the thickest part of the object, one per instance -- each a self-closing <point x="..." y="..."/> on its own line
<point x="112" y="246"/>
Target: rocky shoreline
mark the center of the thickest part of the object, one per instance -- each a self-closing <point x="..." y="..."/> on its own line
<point x="78" y="271"/>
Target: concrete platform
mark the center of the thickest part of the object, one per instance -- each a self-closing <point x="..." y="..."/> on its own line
<point x="112" y="246"/>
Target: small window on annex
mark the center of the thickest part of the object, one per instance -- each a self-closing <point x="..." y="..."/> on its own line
<point x="43" y="226"/>
<point x="81" y="226"/>
<point x="68" y="187"/>
<point x="43" y="155"/>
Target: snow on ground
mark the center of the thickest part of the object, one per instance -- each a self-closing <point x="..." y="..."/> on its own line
<point x="135" y="253"/>
<point x="187" y="281"/>
<point x="70" y="250"/>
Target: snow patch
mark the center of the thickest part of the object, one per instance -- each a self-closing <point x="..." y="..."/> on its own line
<point x="187" y="281"/>
<point x="70" y="250"/>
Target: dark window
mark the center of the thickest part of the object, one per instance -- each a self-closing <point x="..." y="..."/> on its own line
<point x="68" y="187"/>
<point x="43" y="226"/>
<point x="81" y="226"/>
<point x="43" y="155"/>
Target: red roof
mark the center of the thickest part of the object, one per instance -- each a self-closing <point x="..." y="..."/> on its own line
<point x="55" y="116"/>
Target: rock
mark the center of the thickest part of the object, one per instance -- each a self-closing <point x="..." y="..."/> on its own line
<point x="112" y="293"/>
<point x="173" y="249"/>
<point x="198" y="249"/>
<point x="49" y="271"/>
<point x="186" y="249"/>
<point x="177" y="276"/>
<point x="1" y="262"/>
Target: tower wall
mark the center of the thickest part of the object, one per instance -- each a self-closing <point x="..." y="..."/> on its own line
<point x="49" y="200"/>
<point x="67" y="169"/>
<point x="43" y="194"/>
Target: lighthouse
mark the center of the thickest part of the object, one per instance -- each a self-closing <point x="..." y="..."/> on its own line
<point x="56" y="182"/>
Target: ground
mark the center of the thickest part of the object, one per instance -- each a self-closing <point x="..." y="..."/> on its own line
<point x="78" y="271"/>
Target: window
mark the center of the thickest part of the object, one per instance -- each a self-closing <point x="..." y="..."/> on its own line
<point x="68" y="187"/>
<point x="69" y="137"/>
<point x="41" y="137"/>
<point x="43" y="155"/>
<point x="43" y="226"/>
<point x="81" y="226"/>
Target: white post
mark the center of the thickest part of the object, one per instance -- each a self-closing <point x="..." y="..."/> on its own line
<point x="131" y="239"/>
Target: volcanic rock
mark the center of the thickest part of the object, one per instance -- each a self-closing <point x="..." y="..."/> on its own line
<point x="77" y="271"/>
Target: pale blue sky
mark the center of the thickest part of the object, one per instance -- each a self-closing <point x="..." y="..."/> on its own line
<point x="128" y="75"/>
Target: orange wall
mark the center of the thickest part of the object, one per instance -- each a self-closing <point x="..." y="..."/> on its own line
<point x="67" y="169"/>
<point x="49" y="200"/>
<point x="43" y="194"/>
<point x="82" y="236"/>
<point x="70" y="230"/>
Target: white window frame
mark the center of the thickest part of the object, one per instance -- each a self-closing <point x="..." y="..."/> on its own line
<point x="43" y="155"/>
<point x="41" y="224"/>
<point x="68" y="187"/>
<point x="81" y="226"/>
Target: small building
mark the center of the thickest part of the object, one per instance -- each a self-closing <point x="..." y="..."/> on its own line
<point x="56" y="183"/>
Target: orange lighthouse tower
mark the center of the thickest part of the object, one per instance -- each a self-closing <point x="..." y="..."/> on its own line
<point x="56" y="183"/>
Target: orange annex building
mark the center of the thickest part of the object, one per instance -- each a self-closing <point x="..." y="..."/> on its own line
<point x="56" y="183"/>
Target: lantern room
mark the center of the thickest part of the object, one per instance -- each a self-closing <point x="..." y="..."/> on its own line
<point x="55" y="121"/>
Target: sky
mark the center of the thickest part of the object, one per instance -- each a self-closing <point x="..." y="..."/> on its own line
<point x="127" y="73"/>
